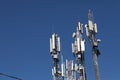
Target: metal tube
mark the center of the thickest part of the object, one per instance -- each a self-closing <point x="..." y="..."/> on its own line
<point x="56" y="67"/>
<point x="95" y="65"/>
<point x="94" y="54"/>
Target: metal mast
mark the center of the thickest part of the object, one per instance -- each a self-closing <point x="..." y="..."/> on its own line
<point x="91" y="31"/>
<point x="78" y="48"/>
<point x="55" y="51"/>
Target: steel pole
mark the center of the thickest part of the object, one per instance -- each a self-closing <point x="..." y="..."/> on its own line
<point x="95" y="65"/>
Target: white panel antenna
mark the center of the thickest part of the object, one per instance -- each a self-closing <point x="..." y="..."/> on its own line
<point x="76" y="67"/>
<point x="90" y="25"/>
<point x="87" y="30"/>
<point x="72" y="66"/>
<point x="95" y="28"/>
<point x="73" y="48"/>
<point x="58" y="45"/>
<point x="82" y="45"/>
<point x="52" y="71"/>
<point x="53" y="41"/>
<point x="80" y="27"/>
<point x="66" y="64"/>
<point x="74" y="35"/>
<point x="62" y="69"/>
<point x="78" y="45"/>
<point x="50" y="45"/>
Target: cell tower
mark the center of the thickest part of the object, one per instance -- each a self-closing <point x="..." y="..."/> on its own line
<point x="75" y="71"/>
<point x="55" y="51"/>
<point x="78" y="48"/>
<point x="91" y="31"/>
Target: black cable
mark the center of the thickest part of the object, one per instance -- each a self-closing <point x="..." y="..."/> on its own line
<point x="10" y="76"/>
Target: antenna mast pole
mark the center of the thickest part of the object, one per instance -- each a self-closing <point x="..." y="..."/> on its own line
<point x="55" y="51"/>
<point x="78" y="48"/>
<point x="91" y="31"/>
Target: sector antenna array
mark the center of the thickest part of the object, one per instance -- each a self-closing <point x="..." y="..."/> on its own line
<point x="70" y="70"/>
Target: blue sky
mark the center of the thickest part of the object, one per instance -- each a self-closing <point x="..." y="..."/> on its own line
<point x="27" y="25"/>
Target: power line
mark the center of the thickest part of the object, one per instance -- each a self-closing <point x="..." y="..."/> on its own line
<point x="13" y="77"/>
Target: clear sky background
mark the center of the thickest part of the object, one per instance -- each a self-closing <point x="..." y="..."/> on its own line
<point x="27" y="25"/>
